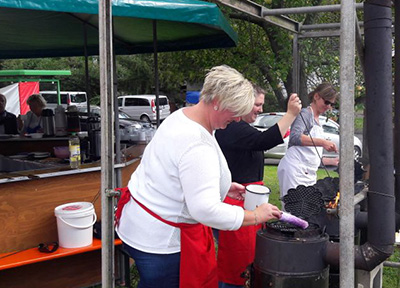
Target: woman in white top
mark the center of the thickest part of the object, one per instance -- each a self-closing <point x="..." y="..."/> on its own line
<point x="300" y="164"/>
<point x="33" y="119"/>
<point x="175" y="195"/>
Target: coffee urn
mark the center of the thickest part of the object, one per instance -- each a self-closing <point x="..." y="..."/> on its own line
<point x="48" y="122"/>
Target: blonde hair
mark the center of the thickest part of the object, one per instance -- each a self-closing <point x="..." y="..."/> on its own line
<point x="227" y="86"/>
<point x="38" y="99"/>
<point x="326" y="91"/>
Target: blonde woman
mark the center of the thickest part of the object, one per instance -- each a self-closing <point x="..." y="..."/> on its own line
<point x="175" y="195"/>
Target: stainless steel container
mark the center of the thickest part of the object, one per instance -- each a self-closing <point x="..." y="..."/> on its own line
<point x="48" y="122"/>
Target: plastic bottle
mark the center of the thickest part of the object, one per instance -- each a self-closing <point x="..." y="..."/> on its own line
<point x="74" y="151"/>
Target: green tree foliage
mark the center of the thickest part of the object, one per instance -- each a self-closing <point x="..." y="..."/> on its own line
<point x="263" y="55"/>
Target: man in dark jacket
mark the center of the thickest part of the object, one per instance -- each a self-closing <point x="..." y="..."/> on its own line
<point x="8" y="121"/>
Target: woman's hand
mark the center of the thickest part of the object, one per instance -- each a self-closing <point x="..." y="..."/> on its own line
<point x="294" y="105"/>
<point x="261" y="214"/>
<point x="267" y="212"/>
<point x="330" y="146"/>
<point x="330" y="161"/>
<point x="236" y="191"/>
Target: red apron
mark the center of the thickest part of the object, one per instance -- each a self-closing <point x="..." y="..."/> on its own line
<point x="236" y="249"/>
<point x="198" y="266"/>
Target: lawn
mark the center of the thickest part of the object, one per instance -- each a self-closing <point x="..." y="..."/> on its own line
<point x="271" y="180"/>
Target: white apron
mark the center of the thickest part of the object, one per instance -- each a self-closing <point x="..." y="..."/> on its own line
<point x="300" y="164"/>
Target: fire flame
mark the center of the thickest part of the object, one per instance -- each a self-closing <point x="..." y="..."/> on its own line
<point x="334" y="203"/>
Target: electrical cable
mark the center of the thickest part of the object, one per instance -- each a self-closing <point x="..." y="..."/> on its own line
<point x="315" y="146"/>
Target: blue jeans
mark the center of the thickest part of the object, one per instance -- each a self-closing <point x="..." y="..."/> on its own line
<point x="156" y="270"/>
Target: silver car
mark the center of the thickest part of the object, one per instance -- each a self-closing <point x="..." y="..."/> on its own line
<point x="331" y="132"/>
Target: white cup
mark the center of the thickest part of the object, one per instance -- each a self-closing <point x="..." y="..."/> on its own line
<point x="255" y="196"/>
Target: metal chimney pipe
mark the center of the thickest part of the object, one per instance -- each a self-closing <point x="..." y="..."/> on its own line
<point x="378" y="79"/>
<point x="378" y="63"/>
<point x="397" y="112"/>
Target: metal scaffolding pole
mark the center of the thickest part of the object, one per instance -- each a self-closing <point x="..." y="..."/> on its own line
<point x="325" y="26"/>
<point x="107" y="146"/>
<point x="257" y="11"/>
<point x="296" y="64"/>
<point x="309" y="9"/>
<point x="346" y="166"/>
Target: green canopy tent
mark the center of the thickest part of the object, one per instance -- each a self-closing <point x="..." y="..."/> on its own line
<point x="59" y="28"/>
<point x="55" y="28"/>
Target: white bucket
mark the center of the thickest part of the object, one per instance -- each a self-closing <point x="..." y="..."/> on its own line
<point x="255" y="196"/>
<point x="75" y="224"/>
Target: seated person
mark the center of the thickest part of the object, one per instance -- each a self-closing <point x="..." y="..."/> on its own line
<point x="32" y="122"/>
<point x="8" y="121"/>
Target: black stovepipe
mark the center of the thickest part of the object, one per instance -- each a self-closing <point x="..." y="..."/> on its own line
<point x="378" y="83"/>
<point x="366" y="256"/>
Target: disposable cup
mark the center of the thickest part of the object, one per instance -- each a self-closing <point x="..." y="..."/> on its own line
<point x="255" y="196"/>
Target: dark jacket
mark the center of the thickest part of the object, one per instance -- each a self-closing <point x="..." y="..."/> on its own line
<point x="9" y="121"/>
<point x="243" y="147"/>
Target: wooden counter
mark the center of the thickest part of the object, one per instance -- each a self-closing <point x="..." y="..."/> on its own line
<point x="27" y="217"/>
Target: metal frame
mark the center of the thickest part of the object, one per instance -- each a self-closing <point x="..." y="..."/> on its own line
<point x="255" y="10"/>
<point x="349" y="34"/>
<point x="22" y="74"/>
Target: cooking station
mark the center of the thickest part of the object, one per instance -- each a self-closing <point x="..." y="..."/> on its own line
<point x="289" y="256"/>
<point x="28" y="196"/>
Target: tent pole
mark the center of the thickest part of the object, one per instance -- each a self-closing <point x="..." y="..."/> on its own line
<point x="86" y="71"/>
<point x="107" y="145"/>
<point x="347" y="79"/>
<point x="87" y="86"/>
<point x="156" y="82"/>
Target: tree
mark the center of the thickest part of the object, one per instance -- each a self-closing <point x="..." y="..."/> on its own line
<point x="263" y="55"/>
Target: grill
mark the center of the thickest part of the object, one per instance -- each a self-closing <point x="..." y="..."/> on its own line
<point x="327" y="187"/>
<point x="288" y="256"/>
<point x="286" y="230"/>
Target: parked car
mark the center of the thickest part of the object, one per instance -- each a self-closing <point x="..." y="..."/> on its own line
<point x="77" y="98"/>
<point x="331" y="132"/>
<point x="129" y="129"/>
<point x="143" y="107"/>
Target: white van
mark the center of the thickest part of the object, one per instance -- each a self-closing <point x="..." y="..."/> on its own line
<point x="77" y="98"/>
<point x="143" y="107"/>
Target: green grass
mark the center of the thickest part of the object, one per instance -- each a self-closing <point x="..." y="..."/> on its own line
<point x="271" y="181"/>
<point x="358" y="125"/>
<point x="391" y="276"/>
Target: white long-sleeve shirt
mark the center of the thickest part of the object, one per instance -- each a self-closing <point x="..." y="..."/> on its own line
<point x="183" y="177"/>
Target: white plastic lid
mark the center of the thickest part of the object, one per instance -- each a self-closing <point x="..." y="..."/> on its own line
<point x="73" y="208"/>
